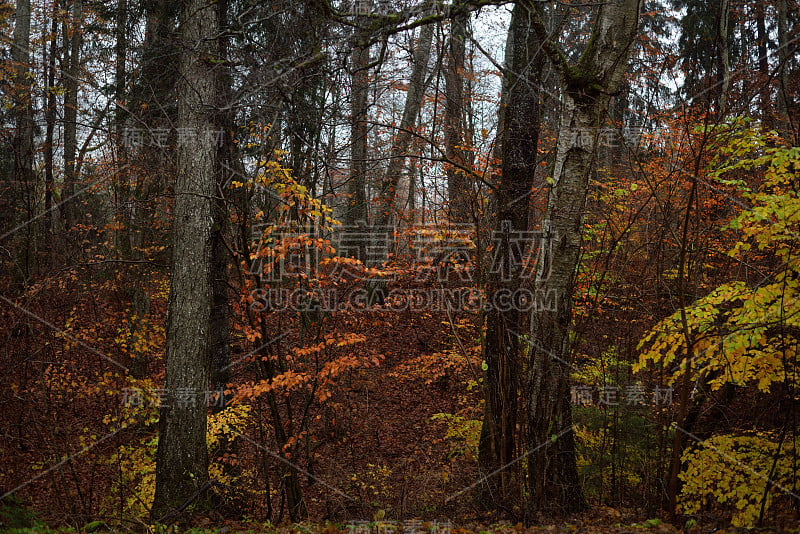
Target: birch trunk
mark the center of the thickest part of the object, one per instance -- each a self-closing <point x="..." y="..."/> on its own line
<point x="553" y="482"/>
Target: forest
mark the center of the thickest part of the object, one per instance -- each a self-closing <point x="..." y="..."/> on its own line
<point x="400" y="266"/>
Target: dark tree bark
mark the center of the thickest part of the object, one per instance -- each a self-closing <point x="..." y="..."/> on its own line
<point x="356" y="211"/>
<point x="512" y="196"/>
<point x="50" y="124"/>
<point x="786" y="100"/>
<point x="458" y="186"/>
<point x="71" y="88"/>
<point x="553" y="483"/>
<point x="229" y="502"/>
<point x="226" y="163"/>
<point x="723" y="58"/>
<point x="23" y="178"/>
<point x="153" y="97"/>
<point x="120" y="71"/>
<point x="182" y="456"/>
<point x="143" y="171"/>
<point x="764" y="100"/>
<point x="129" y="239"/>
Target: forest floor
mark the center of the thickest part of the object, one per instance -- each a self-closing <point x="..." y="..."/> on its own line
<point x="397" y="440"/>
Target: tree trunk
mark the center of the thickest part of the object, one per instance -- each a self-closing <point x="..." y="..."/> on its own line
<point x="182" y="456"/>
<point x="24" y="178"/>
<point x="764" y="77"/>
<point x="554" y="485"/>
<point x="518" y="149"/>
<point x="723" y="58"/>
<point x="402" y="139"/>
<point x="458" y="187"/>
<point x="786" y="100"/>
<point x="356" y="211"/>
<point x="120" y="74"/>
<point x="230" y="504"/>
<point x="226" y="162"/>
<point x="50" y="125"/>
<point x="129" y="238"/>
<point x="151" y="105"/>
<point x="153" y="93"/>
<point x="71" y="87"/>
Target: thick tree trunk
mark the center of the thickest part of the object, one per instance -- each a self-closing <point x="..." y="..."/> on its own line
<point x="71" y="87"/>
<point x="553" y="477"/>
<point x="129" y="239"/>
<point x="454" y="125"/>
<point x="402" y="139"/>
<point x="182" y="456"/>
<point x="151" y="105"/>
<point x="230" y="504"/>
<point x="554" y="485"/>
<point x="24" y="178"/>
<point x="152" y="96"/>
<point x="226" y="162"/>
<point x="518" y="149"/>
<point x="356" y="211"/>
